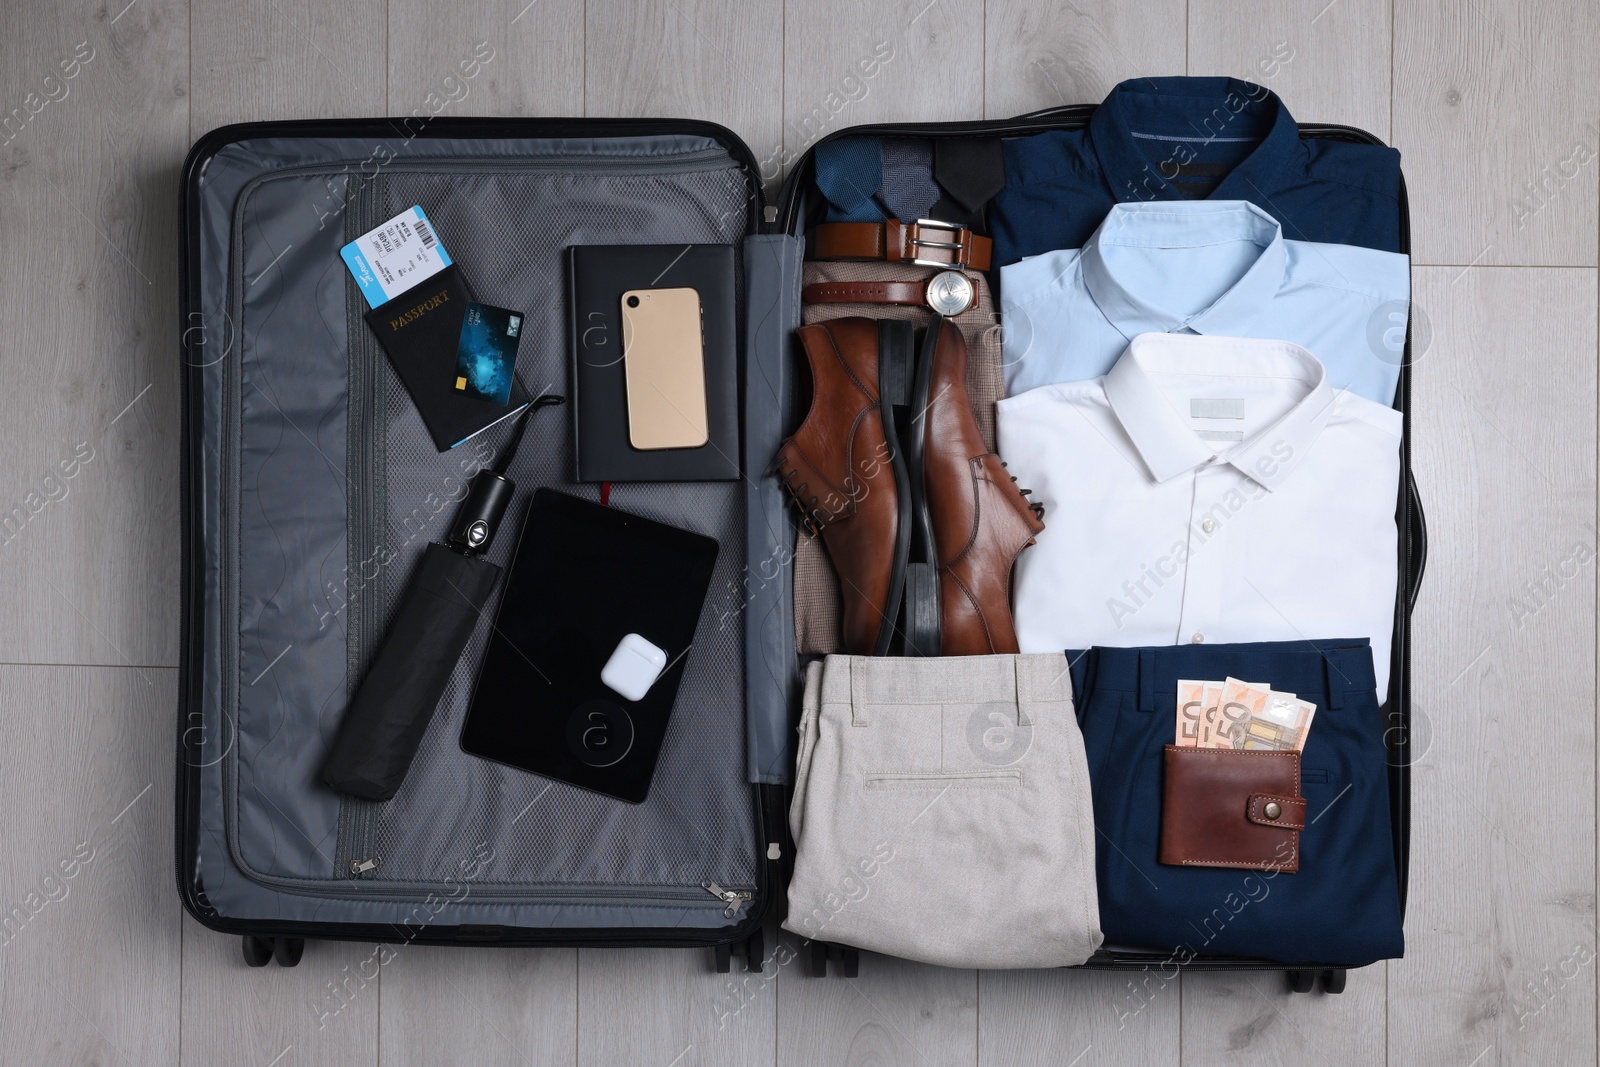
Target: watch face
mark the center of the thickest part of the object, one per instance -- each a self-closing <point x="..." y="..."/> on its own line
<point x="950" y="293"/>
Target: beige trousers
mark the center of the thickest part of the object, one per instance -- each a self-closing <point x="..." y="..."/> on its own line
<point x="941" y="812"/>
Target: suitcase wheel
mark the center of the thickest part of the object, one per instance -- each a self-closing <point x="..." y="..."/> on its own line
<point x="754" y="950"/>
<point x="288" y="950"/>
<point x="1301" y="981"/>
<point x="257" y="950"/>
<point x="722" y="956"/>
<point x="846" y="960"/>
<point x="1333" y="980"/>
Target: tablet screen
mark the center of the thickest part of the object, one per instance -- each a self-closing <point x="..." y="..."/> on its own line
<point x="584" y="577"/>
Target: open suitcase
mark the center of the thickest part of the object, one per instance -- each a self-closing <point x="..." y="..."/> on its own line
<point x="310" y="488"/>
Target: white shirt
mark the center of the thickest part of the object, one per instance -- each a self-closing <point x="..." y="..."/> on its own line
<point x="1206" y="490"/>
<point x="1215" y="267"/>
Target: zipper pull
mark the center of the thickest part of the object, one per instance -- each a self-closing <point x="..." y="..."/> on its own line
<point x="360" y="867"/>
<point x="730" y="897"/>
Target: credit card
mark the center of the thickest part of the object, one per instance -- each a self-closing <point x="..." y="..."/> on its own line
<point x="392" y="258"/>
<point x="486" y="357"/>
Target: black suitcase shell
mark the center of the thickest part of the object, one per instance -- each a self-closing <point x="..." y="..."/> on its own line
<point x="773" y="241"/>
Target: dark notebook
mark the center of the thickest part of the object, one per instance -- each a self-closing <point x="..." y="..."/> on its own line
<point x="421" y="331"/>
<point x="597" y="276"/>
<point x="584" y="577"/>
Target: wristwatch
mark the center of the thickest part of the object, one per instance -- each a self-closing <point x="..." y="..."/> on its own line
<point x="948" y="293"/>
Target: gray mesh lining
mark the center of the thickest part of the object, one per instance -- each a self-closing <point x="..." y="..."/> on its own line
<point x="507" y="231"/>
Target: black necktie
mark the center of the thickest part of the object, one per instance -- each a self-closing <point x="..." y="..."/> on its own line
<point x="970" y="170"/>
<point x="908" y="188"/>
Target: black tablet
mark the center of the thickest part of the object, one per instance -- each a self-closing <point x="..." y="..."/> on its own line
<point x="584" y="577"/>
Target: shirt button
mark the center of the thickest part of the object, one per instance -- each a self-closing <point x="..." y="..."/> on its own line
<point x="1197" y="638"/>
<point x="1209" y="526"/>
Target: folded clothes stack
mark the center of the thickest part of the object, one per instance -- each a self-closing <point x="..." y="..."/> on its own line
<point x="1192" y="473"/>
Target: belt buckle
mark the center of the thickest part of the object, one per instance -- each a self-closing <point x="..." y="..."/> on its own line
<point x="916" y="241"/>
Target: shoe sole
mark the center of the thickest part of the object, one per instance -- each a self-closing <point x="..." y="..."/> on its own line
<point x="922" y="612"/>
<point x="896" y="360"/>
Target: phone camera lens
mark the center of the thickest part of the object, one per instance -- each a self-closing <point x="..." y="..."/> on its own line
<point x="633" y="301"/>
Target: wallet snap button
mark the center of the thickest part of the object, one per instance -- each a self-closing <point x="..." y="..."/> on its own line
<point x="1272" y="811"/>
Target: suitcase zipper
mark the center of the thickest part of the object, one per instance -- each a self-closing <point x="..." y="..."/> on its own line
<point x="731" y="898"/>
<point x="700" y="159"/>
<point x="367" y="427"/>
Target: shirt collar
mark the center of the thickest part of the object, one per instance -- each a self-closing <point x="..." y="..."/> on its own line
<point x="1191" y="108"/>
<point x="1189" y="224"/>
<point x="1163" y="438"/>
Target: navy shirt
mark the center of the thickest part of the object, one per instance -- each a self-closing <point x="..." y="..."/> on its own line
<point x="1193" y="138"/>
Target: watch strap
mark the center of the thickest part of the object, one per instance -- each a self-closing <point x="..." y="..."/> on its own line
<point x="906" y="292"/>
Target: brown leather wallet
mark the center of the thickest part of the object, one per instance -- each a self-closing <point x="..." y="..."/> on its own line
<point x="926" y="242"/>
<point x="1223" y="807"/>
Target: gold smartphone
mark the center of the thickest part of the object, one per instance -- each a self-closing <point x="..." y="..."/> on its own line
<point x="663" y="359"/>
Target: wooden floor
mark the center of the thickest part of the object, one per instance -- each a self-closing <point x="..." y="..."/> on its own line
<point x="1495" y="106"/>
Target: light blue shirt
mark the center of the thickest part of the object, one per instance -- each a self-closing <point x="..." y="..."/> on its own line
<point x="1216" y="267"/>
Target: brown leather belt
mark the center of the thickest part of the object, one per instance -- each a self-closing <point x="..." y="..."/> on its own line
<point x="927" y="242"/>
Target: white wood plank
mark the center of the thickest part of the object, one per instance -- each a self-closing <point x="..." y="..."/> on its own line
<point x="1496" y="112"/>
<point x="846" y="63"/>
<point x="286" y="59"/>
<point x="1250" y="1018"/>
<point x="463" y="1005"/>
<point x="666" y="1006"/>
<point x="1326" y="64"/>
<point x="323" y="1011"/>
<point x="1061" y="1017"/>
<point x="87" y="223"/>
<point x="895" y="1012"/>
<point x="720" y="60"/>
<point x="1502" y="887"/>
<point x="1489" y="94"/>
<point x="1041" y="55"/>
<point x="492" y="57"/>
<point x="1324" y="59"/>
<point x="478" y="1006"/>
<point x="89" y="924"/>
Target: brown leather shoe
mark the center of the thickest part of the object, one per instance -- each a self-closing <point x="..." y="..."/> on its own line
<point x="979" y="520"/>
<point x="845" y="470"/>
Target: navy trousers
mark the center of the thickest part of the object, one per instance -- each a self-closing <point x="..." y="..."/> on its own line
<point x="1341" y="908"/>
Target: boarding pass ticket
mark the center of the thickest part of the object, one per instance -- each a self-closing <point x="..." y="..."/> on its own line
<point x="392" y="258"/>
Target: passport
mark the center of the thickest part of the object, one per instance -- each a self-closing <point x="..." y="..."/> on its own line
<point x="421" y="331"/>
